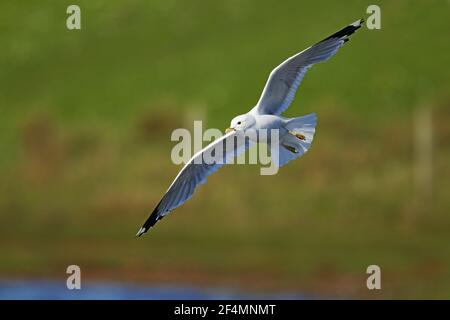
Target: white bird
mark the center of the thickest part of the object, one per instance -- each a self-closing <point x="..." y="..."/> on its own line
<point x="295" y="134"/>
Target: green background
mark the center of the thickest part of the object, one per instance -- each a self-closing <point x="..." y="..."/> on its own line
<point x="85" y="123"/>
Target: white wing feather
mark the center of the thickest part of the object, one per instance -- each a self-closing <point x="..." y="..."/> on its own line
<point x="284" y="80"/>
<point x="195" y="173"/>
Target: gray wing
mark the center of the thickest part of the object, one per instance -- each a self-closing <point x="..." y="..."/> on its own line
<point x="284" y="80"/>
<point x="195" y="172"/>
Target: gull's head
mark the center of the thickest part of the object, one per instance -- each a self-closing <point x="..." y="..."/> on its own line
<point x="242" y="122"/>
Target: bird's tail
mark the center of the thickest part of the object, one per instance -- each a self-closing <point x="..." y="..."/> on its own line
<point x="305" y="125"/>
<point x="298" y="139"/>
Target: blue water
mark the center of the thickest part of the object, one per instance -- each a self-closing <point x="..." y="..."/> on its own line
<point x="39" y="289"/>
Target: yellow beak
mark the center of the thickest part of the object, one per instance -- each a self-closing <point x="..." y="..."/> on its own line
<point x="229" y="130"/>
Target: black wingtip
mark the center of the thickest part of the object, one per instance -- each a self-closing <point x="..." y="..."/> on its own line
<point x="141" y="232"/>
<point x="344" y="33"/>
<point x="150" y="222"/>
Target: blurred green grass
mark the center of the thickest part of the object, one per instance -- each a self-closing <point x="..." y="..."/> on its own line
<point x="86" y="118"/>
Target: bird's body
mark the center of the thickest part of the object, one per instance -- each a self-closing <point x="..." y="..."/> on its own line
<point x="261" y="124"/>
<point x="268" y="121"/>
<point x="295" y="135"/>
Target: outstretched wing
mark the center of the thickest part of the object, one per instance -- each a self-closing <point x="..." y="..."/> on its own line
<point x="284" y="80"/>
<point x="195" y="172"/>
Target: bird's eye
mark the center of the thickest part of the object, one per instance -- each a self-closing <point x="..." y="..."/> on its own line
<point x="239" y="122"/>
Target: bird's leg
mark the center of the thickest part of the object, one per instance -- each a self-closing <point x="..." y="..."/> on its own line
<point x="297" y="135"/>
<point x="291" y="149"/>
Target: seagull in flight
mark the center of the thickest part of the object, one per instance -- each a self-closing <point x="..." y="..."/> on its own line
<point x="295" y="134"/>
